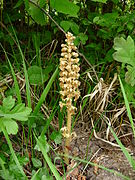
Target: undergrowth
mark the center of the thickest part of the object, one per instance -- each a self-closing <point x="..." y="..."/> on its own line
<point x="31" y="120"/>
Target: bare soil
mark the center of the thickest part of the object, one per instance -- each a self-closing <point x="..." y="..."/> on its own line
<point x="102" y="154"/>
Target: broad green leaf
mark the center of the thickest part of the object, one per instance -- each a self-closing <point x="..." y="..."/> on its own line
<point x="10" y="125"/>
<point x="9" y="112"/>
<point x="68" y="24"/>
<point x="8" y="103"/>
<point x="37" y="75"/>
<point x="101" y="1"/>
<point x="38" y="16"/>
<point x="65" y="7"/>
<point x="75" y="28"/>
<point x="125" y="50"/>
<point x="65" y="25"/>
<point x="20" y="116"/>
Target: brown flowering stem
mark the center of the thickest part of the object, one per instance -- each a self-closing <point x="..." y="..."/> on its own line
<point x="68" y="139"/>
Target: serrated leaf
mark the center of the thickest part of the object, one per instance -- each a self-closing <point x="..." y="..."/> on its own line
<point x="10" y="125"/>
<point x="21" y="115"/>
<point x="65" y="7"/>
<point x="8" y="103"/>
<point x="9" y="112"/>
<point x="125" y="50"/>
<point x="38" y="16"/>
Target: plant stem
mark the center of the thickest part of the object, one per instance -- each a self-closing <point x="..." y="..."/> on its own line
<point x="68" y="140"/>
<point x="12" y="151"/>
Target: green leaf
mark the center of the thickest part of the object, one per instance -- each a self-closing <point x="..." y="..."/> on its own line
<point x="9" y="112"/>
<point x="66" y="25"/>
<point x="42" y="3"/>
<point x="130" y="75"/>
<point x="56" y="137"/>
<point x="38" y="16"/>
<point x="37" y="75"/>
<point x="43" y="140"/>
<point x="18" y="4"/>
<point x="100" y="1"/>
<point x="36" y="163"/>
<point x="10" y="125"/>
<point x="21" y="115"/>
<point x="125" y="50"/>
<point x="83" y="37"/>
<point x="65" y="7"/>
<point x="8" y="103"/>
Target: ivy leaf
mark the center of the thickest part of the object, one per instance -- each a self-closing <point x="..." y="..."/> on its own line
<point x="125" y="50"/>
<point x="65" y="7"/>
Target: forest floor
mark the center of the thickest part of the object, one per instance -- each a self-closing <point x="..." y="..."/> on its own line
<point x="102" y="154"/>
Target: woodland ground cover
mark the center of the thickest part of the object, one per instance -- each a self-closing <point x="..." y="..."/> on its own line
<point x="31" y="120"/>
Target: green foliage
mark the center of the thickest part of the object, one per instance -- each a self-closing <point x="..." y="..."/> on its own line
<point x="38" y="16"/>
<point x="56" y="137"/>
<point x="37" y="75"/>
<point x="65" y="7"/>
<point x="101" y="1"/>
<point x="9" y="113"/>
<point x="30" y="38"/>
<point x="125" y="53"/>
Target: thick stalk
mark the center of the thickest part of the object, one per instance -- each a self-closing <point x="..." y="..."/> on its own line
<point x="68" y="140"/>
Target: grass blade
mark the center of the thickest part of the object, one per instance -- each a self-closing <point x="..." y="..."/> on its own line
<point x="17" y="90"/>
<point x="12" y="151"/>
<point x="45" y="92"/>
<point x="127" y="107"/>
<point x="48" y="160"/>
<point x="24" y="67"/>
<point x="128" y="156"/>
